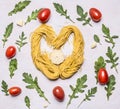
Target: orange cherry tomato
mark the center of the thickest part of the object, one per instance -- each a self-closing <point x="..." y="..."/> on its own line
<point x="14" y="91"/>
<point x="95" y="14"/>
<point x="10" y="52"/>
<point x="59" y="94"/>
<point x="103" y="76"/>
<point x="44" y="15"/>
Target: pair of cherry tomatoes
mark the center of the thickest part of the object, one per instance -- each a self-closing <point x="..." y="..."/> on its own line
<point x="10" y="52"/>
<point x="95" y="14"/>
<point x="58" y="92"/>
<point x="14" y="91"/>
<point x="103" y="76"/>
<point x="44" y="15"/>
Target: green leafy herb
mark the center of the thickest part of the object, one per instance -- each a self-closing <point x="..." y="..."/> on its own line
<point x="83" y="16"/>
<point x="96" y="39"/>
<point x="100" y="63"/>
<point x="108" y="37"/>
<point x="33" y="84"/>
<point x="27" y="101"/>
<point x="91" y="93"/>
<point x="21" y="42"/>
<point x="33" y="16"/>
<point x="12" y="67"/>
<point x="19" y="7"/>
<point x="79" y="88"/>
<point x="110" y="86"/>
<point x="4" y="88"/>
<point x="7" y="33"/>
<point x="112" y="58"/>
<point x="60" y="10"/>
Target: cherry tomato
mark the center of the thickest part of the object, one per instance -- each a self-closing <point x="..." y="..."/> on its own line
<point x="102" y="76"/>
<point x="95" y="14"/>
<point x="10" y="52"/>
<point x="44" y="15"/>
<point x="58" y="92"/>
<point x="14" y="91"/>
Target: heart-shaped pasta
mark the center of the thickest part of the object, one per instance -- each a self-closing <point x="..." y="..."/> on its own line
<point x="71" y="64"/>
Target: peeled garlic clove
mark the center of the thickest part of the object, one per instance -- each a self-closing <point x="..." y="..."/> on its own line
<point x="45" y="105"/>
<point x="94" y="44"/>
<point x="20" y="23"/>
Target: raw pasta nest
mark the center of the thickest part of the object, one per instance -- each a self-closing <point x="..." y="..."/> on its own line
<point x="71" y="64"/>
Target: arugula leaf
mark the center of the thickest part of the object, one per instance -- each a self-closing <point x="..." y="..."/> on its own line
<point x="79" y="88"/>
<point x="96" y="38"/>
<point x="100" y="63"/>
<point x="108" y="37"/>
<point x="33" y="16"/>
<point x="33" y="84"/>
<point x="110" y="86"/>
<point x="4" y="88"/>
<point x="7" y="33"/>
<point x="112" y="58"/>
<point x="27" y="101"/>
<point x="60" y="10"/>
<point x="19" y="7"/>
<point x="12" y="67"/>
<point x="83" y="16"/>
<point x="105" y="30"/>
<point x="91" y="93"/>
<point x="21" y="42"/>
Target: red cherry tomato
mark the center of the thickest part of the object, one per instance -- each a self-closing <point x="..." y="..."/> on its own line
<point x="10" y="52"/>
<point x="58" y="92"/>
<point x="95" y="14"/>
<point x="102" y="76"/>
<point x="14" y="91"/>
<point x="44" y="15"/>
